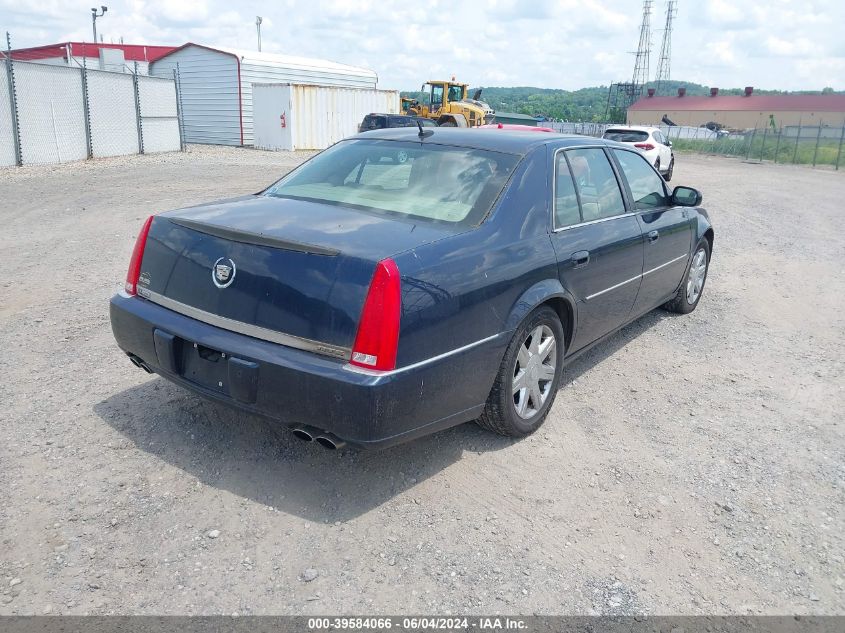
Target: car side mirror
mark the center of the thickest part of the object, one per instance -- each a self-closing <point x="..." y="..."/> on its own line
<point x="686" y="197"/>
<point x="668" y="143"/>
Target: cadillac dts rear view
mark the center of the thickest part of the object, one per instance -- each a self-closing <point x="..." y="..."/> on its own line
<point x="289" y="303"/>
<point x="405" y="281"/>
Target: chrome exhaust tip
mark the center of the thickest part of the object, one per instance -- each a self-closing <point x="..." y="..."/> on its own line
<point x="303" y="434"/>
<point x="140" y="363"/>
<point x="329" y="441"/>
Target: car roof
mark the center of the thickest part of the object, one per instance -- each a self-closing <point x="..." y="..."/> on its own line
<point x="495" y="140"/>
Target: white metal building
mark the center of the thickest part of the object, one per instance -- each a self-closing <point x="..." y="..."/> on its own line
<point x="216" y="86"/>
<point x="289" y="117"/>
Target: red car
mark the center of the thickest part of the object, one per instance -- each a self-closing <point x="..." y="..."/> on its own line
<point x="514" y="126"/>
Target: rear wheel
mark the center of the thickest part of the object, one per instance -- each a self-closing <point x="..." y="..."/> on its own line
<point x="657" y="165"/>
<point x="528" y="378"/>
<point x="689" y="294"/>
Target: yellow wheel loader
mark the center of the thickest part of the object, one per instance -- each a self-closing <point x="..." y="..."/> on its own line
<point x="449" y="105"/>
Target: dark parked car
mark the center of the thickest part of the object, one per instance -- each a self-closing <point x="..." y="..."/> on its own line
<point x="380" y="121"/>
<point x="406" y="281"/>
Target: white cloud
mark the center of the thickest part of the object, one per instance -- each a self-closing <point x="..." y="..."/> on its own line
<point x="568" y="44"/>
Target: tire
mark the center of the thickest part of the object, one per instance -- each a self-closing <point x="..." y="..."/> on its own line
<point x="657" y="165"/>
<point x="448" y="124"/>
<point x="669" y="171"/>
<point x="517" y="414"/>
<point x="686" y="301"/>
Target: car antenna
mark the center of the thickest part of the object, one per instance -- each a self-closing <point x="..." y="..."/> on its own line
<point x="423" y="133"/>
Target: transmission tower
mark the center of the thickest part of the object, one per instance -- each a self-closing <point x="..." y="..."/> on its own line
<point x="641" y="57"/>
<point x="623" y="94"/>
<point x="664" y="72"/>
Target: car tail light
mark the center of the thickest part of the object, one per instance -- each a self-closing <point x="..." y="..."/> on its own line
<point x="646" y="146"/>
<point x="134" y="272"/>
<point x="378" y="330"/>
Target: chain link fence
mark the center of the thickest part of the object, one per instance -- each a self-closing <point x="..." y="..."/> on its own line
<point x="816" y="145"/>
<point x="52" y="113"/>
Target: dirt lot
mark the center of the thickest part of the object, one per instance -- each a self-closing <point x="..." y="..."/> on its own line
<point x="690" y="464"/>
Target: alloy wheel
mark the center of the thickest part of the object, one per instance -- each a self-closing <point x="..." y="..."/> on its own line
<point x="534" y="371"/>
<point x="697" y="274"/>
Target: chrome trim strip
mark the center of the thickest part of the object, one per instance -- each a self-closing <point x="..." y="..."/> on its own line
<point x="671" y="261"/>
<point x="254" y="331"/>
<point x="614" y="287"/>
<point x="588" y="222"/>
<point x="627" y="281"/>
<point x="422" y="363"/>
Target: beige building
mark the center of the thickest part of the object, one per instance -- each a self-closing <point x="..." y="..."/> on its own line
<point x="740" y="112"/>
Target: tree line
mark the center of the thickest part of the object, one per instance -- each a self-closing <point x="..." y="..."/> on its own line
<point x="584" y="104"/>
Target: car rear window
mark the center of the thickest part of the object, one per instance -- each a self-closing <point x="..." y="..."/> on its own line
<point x="401" y="121"/>
<point x="425" y="181"/>
<point x="373" y="122"/>
<point x="626" y="136"/>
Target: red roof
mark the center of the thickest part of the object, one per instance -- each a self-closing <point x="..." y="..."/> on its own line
<point x="754" y="103"/>
<point x="131" y="52"/>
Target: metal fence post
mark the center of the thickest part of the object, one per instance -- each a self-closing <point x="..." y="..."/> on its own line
<point x="177" y="79"/>
<point x="138" y="109"/>
<point x="13" y="101"/>
<point x="86" y="113"/>
<point x="797" y="140"/>
<point x="841" y="138"/>
<point x="818" y="139"/>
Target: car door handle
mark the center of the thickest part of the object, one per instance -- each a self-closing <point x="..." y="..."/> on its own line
<point x="581" y="258"/>
<point x="652" y="236"/>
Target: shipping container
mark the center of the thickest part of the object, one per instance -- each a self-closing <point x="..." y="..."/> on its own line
<point x="216" y="86"/>
<point x="290" y="117"/>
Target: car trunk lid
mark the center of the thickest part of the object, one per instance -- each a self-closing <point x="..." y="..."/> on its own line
<point x="290" y="271"/>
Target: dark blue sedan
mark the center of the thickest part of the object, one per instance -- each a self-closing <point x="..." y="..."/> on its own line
<point x="404" y="281"/>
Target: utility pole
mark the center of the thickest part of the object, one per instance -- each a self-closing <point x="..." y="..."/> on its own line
<point x="664" y="72"/>
<point x="258" y="21"/>
<point x="94" y="16"/>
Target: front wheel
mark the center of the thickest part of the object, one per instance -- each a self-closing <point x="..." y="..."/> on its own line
<point x="448" y="124"/>
<point x="528" y="378"/>
<point x="689" y="294"/>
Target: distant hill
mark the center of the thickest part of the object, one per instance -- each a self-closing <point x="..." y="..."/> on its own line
<point x="584" y="104"/>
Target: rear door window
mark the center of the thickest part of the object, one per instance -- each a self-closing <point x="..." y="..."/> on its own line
<point x="648" y="189"/>
<point x="567" y="209"/>
<point x="596" y="182"/>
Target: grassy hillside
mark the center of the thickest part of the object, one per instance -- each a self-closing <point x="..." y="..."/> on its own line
<point x="585" y="104"/>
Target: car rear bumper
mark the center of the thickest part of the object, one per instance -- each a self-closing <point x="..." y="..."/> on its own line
<point x="294" y="387"/>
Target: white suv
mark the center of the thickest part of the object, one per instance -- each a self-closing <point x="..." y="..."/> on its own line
<point x="650" y="141"/>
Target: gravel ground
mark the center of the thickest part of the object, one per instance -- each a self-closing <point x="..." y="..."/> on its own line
<point x="690" y="464"/>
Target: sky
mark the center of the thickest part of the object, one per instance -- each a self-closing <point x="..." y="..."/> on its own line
<point x="568" y="44"/>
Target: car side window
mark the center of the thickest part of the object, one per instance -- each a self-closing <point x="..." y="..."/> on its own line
<point x="597" y="186"/>
<point x="567" y="211"/>
<point x="647" y="187"/>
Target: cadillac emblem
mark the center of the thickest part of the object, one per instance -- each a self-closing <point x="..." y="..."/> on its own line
<point x="223" y="272"/>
